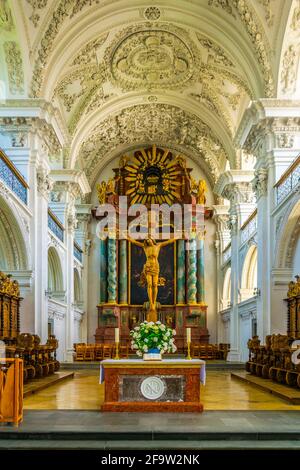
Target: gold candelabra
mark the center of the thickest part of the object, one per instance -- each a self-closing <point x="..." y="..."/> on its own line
<point x="117" y="351"/>
<point x="189" y="350"/>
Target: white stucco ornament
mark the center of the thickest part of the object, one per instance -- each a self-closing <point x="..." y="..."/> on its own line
<point x="152" y="388"/>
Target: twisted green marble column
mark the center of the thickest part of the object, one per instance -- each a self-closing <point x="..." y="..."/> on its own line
<point x="192" y="273"/>
<point x="180" y="271"/>
<point x="103" y="271"/>
<point x="123" y="272"/>
<point x="112" y="271"/>
<point x="200" y="271"/>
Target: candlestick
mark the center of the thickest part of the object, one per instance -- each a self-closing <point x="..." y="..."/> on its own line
<point x="117" y="340"/>
<point x="188" y="335"/>
<point x="188" y="340"/>
<point x="117" y="335"/>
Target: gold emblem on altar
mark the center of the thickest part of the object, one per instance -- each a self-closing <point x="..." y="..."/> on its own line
<point x="153" y="177"/>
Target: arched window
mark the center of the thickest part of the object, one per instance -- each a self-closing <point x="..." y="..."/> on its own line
<point x="77" y="288"/>
<point x="249" y="274"/>
<point x="13" y="256"/>
<point x="226" y="299"/>
<point x="55" y="277"/>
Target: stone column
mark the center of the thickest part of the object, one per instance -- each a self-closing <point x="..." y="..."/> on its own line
<point x="40" y="224"/>
<point x="69" y="234"/>
<point x="263" y="255"/>
<point x="221" y="219"/>
<point x="181" y="271"/>
<point x="235" y="185"/>
<point x="112" y="271"/>
<point x="103" y="271"/>
<point x="83" y="217"/>
<point x="192" y="273"/>
<point x="123" y="277"/>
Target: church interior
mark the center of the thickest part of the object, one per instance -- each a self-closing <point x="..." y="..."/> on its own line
<point x="120" y="119"/>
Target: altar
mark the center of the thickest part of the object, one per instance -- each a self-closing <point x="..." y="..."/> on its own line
<point x="131" y="290"/>
<point x="170" y="385"/>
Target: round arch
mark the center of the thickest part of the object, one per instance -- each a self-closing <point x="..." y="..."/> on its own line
<point x="249" y="273"/>
<point x="77" y="287"/>
<point x="226" y="294"/>
<point x="288" y="236"/>
<point x="13" y="253"/>
<point x="55" y="276"/>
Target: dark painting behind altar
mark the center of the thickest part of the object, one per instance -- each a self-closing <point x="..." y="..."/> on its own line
<point x="166" y="293"/>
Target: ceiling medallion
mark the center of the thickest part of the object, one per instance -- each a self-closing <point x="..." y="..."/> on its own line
<point x="152" y="59"/>
<point x="152" y="13"/>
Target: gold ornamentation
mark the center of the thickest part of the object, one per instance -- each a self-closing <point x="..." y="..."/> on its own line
<point x="294" y="288"/>
<point x="105" y="189"/>
<point x="201" y="190"/>
<point x="8" y="286"/>
<point x="152" y="177"/>
<point x="101" y="192"/>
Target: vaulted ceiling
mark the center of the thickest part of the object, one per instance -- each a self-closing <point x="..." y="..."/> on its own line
<point x="122" y="73"/>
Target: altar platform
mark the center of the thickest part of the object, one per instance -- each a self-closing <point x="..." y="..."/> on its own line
<point x="169" y="385"/>
<point x="73" y="429"/>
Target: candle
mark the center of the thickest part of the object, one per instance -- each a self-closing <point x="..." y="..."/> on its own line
<point x="188" y="335"/>
<point x="117" y="335"/>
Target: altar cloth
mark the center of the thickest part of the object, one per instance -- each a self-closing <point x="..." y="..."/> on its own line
<point x="161" y="364"/>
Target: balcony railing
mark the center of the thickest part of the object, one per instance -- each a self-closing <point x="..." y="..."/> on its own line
<point x="55" y="226"/>
<point x="288" y="181"/>
<point x="249" y="227"/>
<point x="78" y="252"/>
<point x="227" y="253"/>
<point x="12" y="177"/>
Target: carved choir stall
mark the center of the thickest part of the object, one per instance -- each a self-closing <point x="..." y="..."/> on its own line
<point x="152" y="279"/>
<point x="277" y="359"/>
<point x="39" y="359"/>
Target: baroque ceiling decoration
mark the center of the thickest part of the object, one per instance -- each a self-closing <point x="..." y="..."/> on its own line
<point x="241" y="9"/>
<point x="6" y="21"/>
<point x="149" y="58"/>
<point x="64" y="10"/>
<point x="291" y="56"/>
<point x="14" y="64"/>
<point x="36" y="6"/>
<point x="256" y="33"/>
<point x="158" y="123"/>
<point x="160" y="57"/>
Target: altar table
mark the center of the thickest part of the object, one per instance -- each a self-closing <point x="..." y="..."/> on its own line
<point x="163" y="386"/>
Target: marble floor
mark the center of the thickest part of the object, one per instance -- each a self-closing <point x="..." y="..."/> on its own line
<point x="220" y="393"/>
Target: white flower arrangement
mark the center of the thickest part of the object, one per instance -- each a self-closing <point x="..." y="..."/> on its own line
<point x="149" y="335"/>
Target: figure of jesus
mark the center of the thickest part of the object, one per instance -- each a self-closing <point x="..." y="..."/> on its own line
<point x="151" y="271"/>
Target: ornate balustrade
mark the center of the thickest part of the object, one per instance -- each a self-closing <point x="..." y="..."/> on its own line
<point x="78" y="252"/>
<point x="55" y="226"/>
<point x="12" y="177"/>
<point x="288" y="181"/>
<point x="249" y="227"/>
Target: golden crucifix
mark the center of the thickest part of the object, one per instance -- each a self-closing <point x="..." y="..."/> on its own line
<point x="151" y="271"/>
